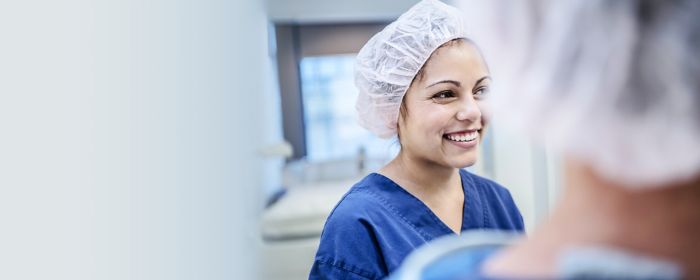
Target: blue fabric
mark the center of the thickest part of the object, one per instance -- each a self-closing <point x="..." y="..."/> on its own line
<point x="460" y="265"/>
<point x="377" y="224"/>
<point x="574" y="263"/>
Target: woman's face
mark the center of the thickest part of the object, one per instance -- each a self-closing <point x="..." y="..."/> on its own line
<point x="444" y="123"/>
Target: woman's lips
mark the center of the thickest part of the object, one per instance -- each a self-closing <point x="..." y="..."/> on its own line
<point x="464" y="139"/>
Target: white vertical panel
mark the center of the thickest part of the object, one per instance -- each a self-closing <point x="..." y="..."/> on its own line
<point x="128" y="138"/>
<point x="513" y="169"/>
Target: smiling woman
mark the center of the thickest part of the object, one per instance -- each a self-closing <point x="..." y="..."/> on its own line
<point x="422" y="81"/>
<point x="445" y="99"/>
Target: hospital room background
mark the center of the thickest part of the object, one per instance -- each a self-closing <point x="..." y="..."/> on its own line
<point x="195" y="139"/>
<point x="312" y="49"/>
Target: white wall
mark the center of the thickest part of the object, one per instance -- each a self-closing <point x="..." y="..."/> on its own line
<point x="128" y="132"/>
<point x="531" y="172"/>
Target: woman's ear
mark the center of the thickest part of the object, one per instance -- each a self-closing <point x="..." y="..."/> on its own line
<point x="400" y="122"/>
<point x="403" y="114"/>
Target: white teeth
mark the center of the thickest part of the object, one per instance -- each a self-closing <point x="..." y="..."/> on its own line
<point x="465" y="137"/>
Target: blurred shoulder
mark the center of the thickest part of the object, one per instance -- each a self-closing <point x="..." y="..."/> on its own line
<point x="360" y="203"/>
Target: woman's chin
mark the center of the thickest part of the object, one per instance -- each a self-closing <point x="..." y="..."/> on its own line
<point x="462" y="161"/>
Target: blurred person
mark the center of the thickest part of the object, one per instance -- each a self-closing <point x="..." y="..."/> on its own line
<point x="614" y="87"/>
<point x="422" y="80"/>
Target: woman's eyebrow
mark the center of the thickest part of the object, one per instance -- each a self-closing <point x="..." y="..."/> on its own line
<point x="456" y="83"/>
<point x="481" y="80"/>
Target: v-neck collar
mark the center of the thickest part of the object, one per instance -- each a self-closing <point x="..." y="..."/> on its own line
<point x="419" y="216"/>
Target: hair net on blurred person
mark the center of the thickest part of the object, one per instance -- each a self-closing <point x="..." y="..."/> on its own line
<point x="608" y="82"/>
<point x="387" y="64"/>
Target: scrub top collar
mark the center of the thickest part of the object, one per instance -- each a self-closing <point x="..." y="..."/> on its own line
<point x="417" y="214"/>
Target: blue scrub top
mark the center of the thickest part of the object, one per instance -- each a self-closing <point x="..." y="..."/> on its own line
<point x="378" y="223"/>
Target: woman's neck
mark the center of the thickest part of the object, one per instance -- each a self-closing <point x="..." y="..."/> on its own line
<point x="438" y="187"/>
<point x="420" y="175"/>
<point x="660" y="222"/>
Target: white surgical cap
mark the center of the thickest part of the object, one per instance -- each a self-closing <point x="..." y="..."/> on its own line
<point x="613" y="83"/>
<point x="386" y="65"/>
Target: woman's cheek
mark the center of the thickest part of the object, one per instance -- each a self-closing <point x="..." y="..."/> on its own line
<point x="485" y="109"/>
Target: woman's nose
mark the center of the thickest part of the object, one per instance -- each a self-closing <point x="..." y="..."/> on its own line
<point x="469" y="110"/>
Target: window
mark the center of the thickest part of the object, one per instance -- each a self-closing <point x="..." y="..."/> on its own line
<point x="331" y="128"/>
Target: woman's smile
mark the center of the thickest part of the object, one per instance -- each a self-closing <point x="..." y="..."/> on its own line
<point x="466" y="139"/>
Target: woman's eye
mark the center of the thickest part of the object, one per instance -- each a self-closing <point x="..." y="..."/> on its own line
<point x="482" y="91"/>
<point x="444" y="94"/>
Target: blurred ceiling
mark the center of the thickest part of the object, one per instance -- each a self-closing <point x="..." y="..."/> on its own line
<point x="335" y="11"/>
